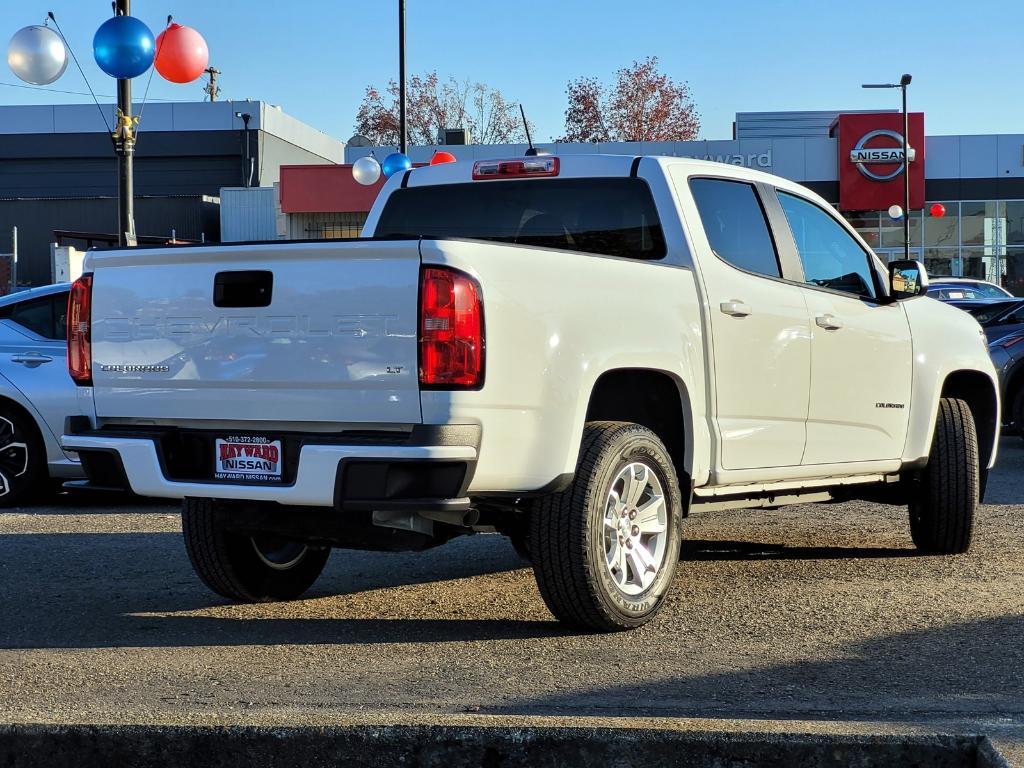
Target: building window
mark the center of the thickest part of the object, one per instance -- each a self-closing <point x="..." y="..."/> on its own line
<point x="941" y="261"/>
<point x="892" y="231"/>
<point x="1013" y="222"/>
<point x="1013" y="271"/>
<point x="944" y="231"/>
<point x="975" y="238"/>
<point x="334" y="226"/>
<point x="979" y="263"/>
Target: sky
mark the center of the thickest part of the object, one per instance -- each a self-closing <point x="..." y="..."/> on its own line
<point x="315" y="58"/>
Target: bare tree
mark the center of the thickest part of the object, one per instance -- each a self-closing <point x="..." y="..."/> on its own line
<point x="432" y="104"/>
<point x="643" y="105"/>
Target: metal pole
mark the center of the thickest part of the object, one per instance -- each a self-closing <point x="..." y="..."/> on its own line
<point x="248" y="158"/>
<point x="906" y="173"/>
<point x="401" y="78"/>
<point x="124" y="146"/>
<point x="14" y="259"/>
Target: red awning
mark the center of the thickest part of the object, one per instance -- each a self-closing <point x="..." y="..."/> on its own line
<point x="324" y="189"/>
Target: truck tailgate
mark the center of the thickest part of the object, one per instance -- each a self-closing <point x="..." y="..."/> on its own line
<point x="336" y="343"/>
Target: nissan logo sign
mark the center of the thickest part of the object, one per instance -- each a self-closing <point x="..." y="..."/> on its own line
<point x="862" y="156"/>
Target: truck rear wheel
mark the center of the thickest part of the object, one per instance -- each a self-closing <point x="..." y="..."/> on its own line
<point x="605" y="550"/>
<point x="250" y="568"/>
<point x="944" y="499"/>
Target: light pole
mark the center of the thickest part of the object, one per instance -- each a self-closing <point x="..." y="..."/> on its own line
<point x="401" y="77"/>
<point x="124" y="147"/>
<point x="902" y="85"/>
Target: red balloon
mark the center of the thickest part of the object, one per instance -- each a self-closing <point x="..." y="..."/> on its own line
<point x="938" y="210"/>
<point x="442" y="157"/>
<point x="181" y="54"/>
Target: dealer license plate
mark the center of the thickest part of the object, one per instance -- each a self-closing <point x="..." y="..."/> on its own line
<point x="251" y="458"/>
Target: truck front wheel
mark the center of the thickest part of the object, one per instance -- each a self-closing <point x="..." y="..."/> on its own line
<point x="605" y="550"/>
<point x="246" y="567"/>
<point x="944" y="498"/>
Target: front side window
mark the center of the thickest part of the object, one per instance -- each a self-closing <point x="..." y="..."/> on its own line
<point x="735" y="225"/>
<point x="830" y="255"/>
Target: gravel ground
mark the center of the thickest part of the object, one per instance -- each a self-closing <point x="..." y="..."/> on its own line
<point x="814" y="613"/>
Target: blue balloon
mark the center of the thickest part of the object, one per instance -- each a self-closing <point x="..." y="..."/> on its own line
<point x="124" y="47"/>
<point x="395" y="163"/>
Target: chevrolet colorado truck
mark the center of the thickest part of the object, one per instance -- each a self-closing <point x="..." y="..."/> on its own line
<point x="575" y="352"/>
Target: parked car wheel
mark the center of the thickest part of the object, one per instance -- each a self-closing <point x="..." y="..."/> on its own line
<point x="251" y="568"/>
<point x="1017" y="411"/>
<point x="605" y="550"/>
<point x="23" y="472"/>
<point x="944" y="498"/>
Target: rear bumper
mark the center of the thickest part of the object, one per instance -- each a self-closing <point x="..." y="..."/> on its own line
<point x="349" y="476"/>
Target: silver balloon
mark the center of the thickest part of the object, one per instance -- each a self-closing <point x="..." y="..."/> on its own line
<point x="37" y="55"/>
<point x="366" y="170"/>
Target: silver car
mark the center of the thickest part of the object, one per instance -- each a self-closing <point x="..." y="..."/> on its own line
<point x="36" y="393"/>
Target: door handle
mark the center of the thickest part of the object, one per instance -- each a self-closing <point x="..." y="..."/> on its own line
<point x="828" y="322"/>
<point x="734" y="308"/>
<point x="31" y="359"/>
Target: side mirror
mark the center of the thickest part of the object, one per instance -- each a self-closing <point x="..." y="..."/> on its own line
<point x="907" y="279"/>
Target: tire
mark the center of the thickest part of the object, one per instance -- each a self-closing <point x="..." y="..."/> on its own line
<point x="1017" y="411"/>
<point x="23" y="473"/>
<point x="586" y="574"/>
<point x="244" y="567"/>
<point x="944" y="499"/>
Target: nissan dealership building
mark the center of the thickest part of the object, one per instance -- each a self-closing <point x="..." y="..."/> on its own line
<point x="852" y="159"/>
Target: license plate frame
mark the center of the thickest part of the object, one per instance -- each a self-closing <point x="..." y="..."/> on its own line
<point x="248" y="459"/>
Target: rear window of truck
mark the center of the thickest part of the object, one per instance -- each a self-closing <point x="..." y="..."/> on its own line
<point x="611" y="217"/>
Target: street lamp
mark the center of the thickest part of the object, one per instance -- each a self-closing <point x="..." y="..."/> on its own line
<point x="247" y="168"/>
<point x="902" y="85"/>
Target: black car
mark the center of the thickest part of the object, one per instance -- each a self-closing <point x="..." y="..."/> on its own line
<point x="997" y="318"/>
<point x="1008" y="356"/>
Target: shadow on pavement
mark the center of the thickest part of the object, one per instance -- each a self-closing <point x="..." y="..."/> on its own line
<point x="92" y="502"/>
<point x="698" y="549"/>
<point x="1004" y="484"/>
<point x="92" y="591"/>
<point x="972" y="668"/>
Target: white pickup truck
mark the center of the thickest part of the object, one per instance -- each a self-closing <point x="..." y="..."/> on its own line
<point x="574" y="351"/>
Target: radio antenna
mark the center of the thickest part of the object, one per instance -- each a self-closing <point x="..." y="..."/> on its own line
<point x="532" y="151"/>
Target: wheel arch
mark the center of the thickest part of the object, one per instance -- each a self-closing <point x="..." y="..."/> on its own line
<point x="655" y="399"/>
<point x="9" y="402"/>
<point x="980" y="393"/>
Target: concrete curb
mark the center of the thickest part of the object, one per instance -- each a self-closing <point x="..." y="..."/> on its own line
<point x="413" y="746"/>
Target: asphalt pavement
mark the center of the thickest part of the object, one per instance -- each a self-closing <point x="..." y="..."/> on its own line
<point x="812" y="615"/>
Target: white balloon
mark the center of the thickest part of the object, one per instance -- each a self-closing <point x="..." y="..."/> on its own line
<point x="37" y="55"/>
<point x="366" y="170"/>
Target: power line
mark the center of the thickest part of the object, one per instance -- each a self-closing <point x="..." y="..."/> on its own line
<point x="78" y="93"/>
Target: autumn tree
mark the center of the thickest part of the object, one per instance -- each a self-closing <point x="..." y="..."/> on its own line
<point x="643" y="105"/>
<point x="432" y="104"/>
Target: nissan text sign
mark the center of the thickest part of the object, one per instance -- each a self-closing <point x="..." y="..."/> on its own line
<point x="871" y="161"/>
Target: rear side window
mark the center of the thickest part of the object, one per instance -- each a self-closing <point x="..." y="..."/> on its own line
<point x="735" y="225"/>
<point x="46" y="317"/>
<point x="611" y="217"/>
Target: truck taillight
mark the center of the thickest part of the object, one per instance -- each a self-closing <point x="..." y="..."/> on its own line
<point x="451" y="330"/>
<point x="80" y="331"/>
<point x="526" y="167"/>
